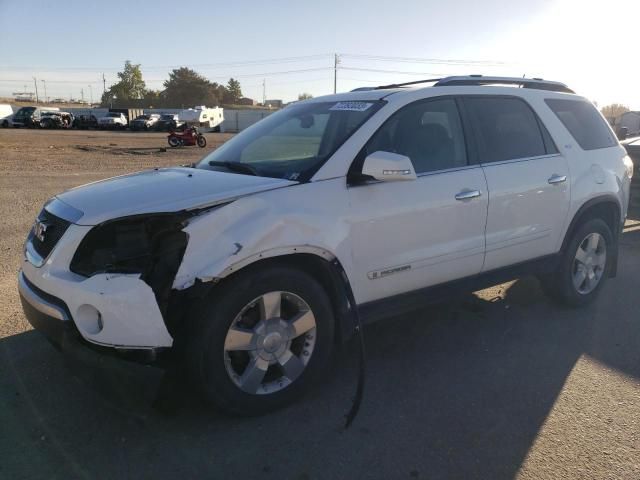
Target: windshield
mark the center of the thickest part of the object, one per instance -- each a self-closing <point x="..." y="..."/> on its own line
<point x="294" y="142"/>
<point x="113" y="114"/>
<point x="166" y="117"/>
<point x="142" y="117"/>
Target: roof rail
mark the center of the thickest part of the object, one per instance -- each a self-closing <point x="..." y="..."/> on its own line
<point x="536" y="83"/>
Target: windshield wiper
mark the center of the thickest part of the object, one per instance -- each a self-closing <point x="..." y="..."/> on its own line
<point x="236" y="167"/>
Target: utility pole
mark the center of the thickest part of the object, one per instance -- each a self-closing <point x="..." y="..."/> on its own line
<point x="264" y="91"/>
<point x="35" y="82"/>
<point x="104" y="85"/>
<point x="91" y="93"/>
<point x="82" y="95"/>
<point x="44" y="83"/>
<point x="336" y="61"/>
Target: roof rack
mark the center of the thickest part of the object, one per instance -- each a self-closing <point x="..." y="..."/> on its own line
<point x="478" y="80"/>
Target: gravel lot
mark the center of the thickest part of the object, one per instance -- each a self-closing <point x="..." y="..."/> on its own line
<point x="500" y="384"/>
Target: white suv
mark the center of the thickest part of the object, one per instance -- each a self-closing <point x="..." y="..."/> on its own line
<point x="250" y="266"/>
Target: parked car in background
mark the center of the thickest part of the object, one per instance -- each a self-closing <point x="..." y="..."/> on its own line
<point x="168" y="122"/>
<point x="144" y="122"/>
<point x="113" y="120"/>
<point x="30" y="116"/>
<point x="56" y="120"/>
<point x="85" y="122"/>
<point x="6" y="113"/>
<point x="253" y="263"/>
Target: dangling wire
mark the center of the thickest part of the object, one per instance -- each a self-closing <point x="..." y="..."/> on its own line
<point x="357" y="399"/>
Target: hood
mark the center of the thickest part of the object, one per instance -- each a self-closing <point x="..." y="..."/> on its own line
<point x="162" y="190"/>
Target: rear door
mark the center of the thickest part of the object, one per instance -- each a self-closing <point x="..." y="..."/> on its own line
<point x="527" y="178"/>
<point x="407" y="235"/>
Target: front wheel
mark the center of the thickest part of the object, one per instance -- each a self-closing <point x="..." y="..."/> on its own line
<point x="174" y="142"/>
<point x="584" y="266"/>
<point x="259" y="342"/>
<point x="202" y="142"/>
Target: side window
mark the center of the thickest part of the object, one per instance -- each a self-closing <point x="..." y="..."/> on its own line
<point x="428" y="132"/>
<point x="506" y="129"/>
<point x="584" y="123"/>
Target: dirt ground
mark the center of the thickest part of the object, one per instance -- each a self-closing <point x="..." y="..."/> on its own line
<point x="497" y="385"/>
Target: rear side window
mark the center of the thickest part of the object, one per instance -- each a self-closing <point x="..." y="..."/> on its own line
<point x="583" y="121"/>
<point x="506" y="129"/>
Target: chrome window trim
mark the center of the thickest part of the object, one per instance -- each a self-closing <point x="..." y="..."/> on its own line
<point x="446" y="170"/>
<point x="518" y="160"/>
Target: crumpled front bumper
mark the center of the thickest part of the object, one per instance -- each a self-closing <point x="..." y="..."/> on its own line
<point x="112" y="310"/>
<point x="50" y="316"/>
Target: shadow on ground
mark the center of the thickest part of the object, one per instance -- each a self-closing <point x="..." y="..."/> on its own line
<point x="457" y="391"/>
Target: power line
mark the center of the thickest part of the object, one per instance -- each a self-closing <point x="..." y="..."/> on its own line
<point x="438" y="61"/>
<point x="400" y="72"/>
<point x="198" y="65"/>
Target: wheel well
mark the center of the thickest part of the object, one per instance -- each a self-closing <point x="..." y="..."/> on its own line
<point x="605" y="209"/>
<point x="329" y="274"/>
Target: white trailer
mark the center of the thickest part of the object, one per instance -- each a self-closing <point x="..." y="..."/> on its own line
<point x="206" y="119"/>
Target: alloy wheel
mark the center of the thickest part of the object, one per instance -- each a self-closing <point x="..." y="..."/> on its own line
<point x="269" y="343"/>
<point x="589" y="263"/>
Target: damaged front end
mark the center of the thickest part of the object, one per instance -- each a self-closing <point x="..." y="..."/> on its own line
<point x="150" y="245"/>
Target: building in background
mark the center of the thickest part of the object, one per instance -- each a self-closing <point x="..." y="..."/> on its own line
<point x="247" y="101"/>
<point x="629" y="121"/>
<point x="273" y="103"/>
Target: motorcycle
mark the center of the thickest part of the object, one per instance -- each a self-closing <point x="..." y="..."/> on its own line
<point x="189" y="137"/>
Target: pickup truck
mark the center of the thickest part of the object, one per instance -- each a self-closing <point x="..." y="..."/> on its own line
<point x="113" y="120"/>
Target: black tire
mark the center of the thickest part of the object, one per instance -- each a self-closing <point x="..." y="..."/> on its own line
<point x="559" y="285"/>
<point x="216" y="312"/>
<point x="173" y="142"/>
<point x="202" y="142"/>
<point x="5" y="124"/>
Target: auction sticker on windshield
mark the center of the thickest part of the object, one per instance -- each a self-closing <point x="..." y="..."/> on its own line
<point x="351" y="106"/>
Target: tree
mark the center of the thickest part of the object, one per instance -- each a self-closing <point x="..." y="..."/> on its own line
<point x="304" y="96"/>
<point x="130" y="87"/>
<point x="614" y="110"/>
<point x="234" y="92"/>
<point x="186" y="87"/>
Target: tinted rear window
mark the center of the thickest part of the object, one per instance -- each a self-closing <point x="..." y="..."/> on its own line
<point x="506" y="128"/>
<point x="583" y="121"/>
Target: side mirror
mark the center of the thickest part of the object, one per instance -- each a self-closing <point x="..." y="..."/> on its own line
<point x="388" y="167"/>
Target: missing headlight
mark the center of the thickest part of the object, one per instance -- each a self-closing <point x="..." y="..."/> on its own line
<point x="128" y="245"/>
<point x="149" y="245"/>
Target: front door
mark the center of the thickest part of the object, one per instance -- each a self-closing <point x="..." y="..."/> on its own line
<point x="408" y="235"/>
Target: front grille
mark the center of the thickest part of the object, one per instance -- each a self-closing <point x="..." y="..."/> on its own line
<point x="55" y="228"/>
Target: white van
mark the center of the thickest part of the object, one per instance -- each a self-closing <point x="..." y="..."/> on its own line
<point x="6" y="112"/>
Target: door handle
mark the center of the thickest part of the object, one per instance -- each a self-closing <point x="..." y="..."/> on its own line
<point x="555" y="178"/>
<point x="468" y="194"/>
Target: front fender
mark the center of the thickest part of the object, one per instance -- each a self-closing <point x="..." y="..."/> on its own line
<point x="256" y="227"/>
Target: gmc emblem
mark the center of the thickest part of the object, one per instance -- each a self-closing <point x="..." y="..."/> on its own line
<point x="39" y="229"/>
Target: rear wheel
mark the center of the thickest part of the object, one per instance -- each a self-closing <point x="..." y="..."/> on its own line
<point x="259" y="342"/>
<point x="173" y="141"/>
<point x="584" y="266"/>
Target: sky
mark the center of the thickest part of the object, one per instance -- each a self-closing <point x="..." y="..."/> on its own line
<point x="67" y="45"/>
